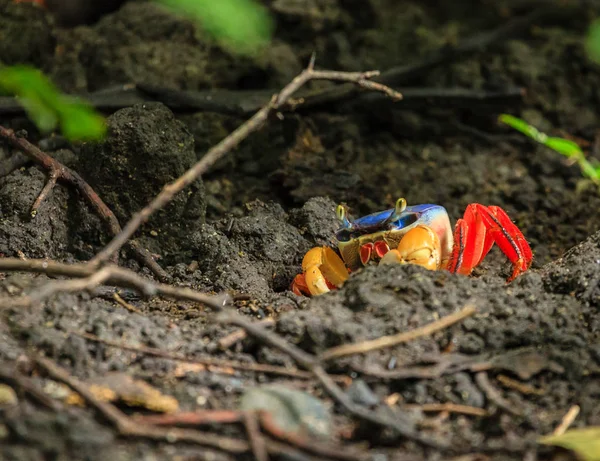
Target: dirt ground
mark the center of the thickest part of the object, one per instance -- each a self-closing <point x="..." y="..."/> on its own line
<point x="245" y="227"/>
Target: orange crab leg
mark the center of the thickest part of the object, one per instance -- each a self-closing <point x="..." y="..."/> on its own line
<point x="322" y="270"/>
<point x="476" y="233"/>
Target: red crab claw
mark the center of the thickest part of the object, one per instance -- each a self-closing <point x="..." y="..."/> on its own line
<point x="476" y="233"/>
<point x="366" y="250"/>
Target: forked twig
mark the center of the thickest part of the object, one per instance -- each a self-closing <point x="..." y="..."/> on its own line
<point x="58" y="172"/>
<point x="233" y="140"/>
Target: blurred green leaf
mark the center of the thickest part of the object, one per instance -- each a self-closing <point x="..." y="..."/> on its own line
<point x="585" y="442"/>
<point x="565" y="147"/>
<point x="48" y="107"/>
<point x="523" y="127"/>
<point x="82" y="122"/>
<point x="244" y="25"/>
<point x="592" y="41"/>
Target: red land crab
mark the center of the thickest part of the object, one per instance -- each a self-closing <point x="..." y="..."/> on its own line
<point x="419" y="234"/>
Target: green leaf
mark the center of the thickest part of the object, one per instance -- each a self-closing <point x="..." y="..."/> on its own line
<point x="585" y="442"/>
<point x="564" y="147"/>
<point x="588" y="170"/>
<point x="592" y="41"/>
<point x="524" y="127"/>
<point x="243" y="25"/>
<point x="83" y="123"/>
<point x="48" y="107"/>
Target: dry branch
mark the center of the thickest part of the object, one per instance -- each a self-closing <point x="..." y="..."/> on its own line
<point x="233" y="140"/>
<point x="394" y="340"/>
<point x="89" y="278"/>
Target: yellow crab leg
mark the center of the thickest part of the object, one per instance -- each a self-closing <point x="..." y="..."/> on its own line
<point x="321" y="265"/>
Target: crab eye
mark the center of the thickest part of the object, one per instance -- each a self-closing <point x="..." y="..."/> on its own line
<point x="407" y="220"/>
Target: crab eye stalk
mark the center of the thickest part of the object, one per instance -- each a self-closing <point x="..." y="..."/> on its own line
<point x="397" y="211"/>
<point x="342" y="216"/>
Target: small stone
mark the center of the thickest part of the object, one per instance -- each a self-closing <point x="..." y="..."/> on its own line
<point x="362" y="394"/>
<point x="8" y="397"/>
<point x="292" y="411"/>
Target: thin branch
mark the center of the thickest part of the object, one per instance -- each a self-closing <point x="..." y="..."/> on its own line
<point x="128" y="427"/>
<point x="519" y="386"/>
<point x="192" y="418"/>
<point x="449" y="407"/>
<point x="52" y="178"/>
<point x="90" y="277"/>
<point x="494" y="395"/>
<point x="478" y="42"/>
<point x="393" y="340"/>
<point x="312" y="446"/>
<point x="240" y="334"/>
<point x="257" y="441"/>
<point x="312" y="364"/>
<point x="230" y="142"/>
<point x="567" y="420"/>
<point x="121" y="302"/>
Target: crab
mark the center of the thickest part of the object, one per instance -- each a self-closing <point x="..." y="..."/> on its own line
<point x="418" y="234"/>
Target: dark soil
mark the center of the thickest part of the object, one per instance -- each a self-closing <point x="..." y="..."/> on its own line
<point x="245" y="227"/>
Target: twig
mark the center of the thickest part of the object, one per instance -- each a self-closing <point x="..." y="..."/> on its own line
<point x="393" y="340"/>
<point x="128" y="427"/>
<point x="567" y="420"/>
<point x="312" y="364"/>
<point x="449" y="407"/>
<point x="312" y="446"/>
<point x="238" y="335"/>
<point x="48" y="187"/>
<point x="519" y="386"/>
<point x="90" y="277"/>
<point x="401" y="74"/>
<point x="125" y="304"/>
<point x="257" y="441"/>
<point x="230" y="142"/>
<point x="192" y="418"/>
<point x="59" y="172"/>
<point x="494" y="395"/>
